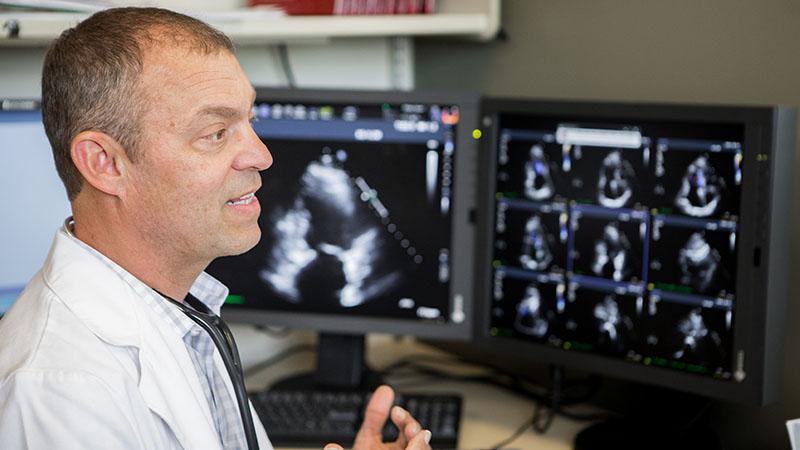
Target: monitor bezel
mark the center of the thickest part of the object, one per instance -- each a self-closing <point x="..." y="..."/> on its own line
<point x="462" y="247"/>
<point x="768" y="129"/>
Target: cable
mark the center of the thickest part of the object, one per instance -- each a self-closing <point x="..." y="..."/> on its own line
<point x="283" y="54"/>
<point x="541" y="422"/>
<point x="278" y="358"/>
<point x="545" y="412"/>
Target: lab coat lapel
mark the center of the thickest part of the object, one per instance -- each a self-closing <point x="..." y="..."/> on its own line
<point x="187" y="412"/>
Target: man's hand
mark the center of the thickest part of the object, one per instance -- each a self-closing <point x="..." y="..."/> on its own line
<point x="411" y="436"/>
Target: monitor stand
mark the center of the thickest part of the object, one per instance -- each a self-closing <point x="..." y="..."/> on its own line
<point x="341" y="365"/>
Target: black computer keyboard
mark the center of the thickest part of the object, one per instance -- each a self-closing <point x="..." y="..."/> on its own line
<point x="313" y="418"/>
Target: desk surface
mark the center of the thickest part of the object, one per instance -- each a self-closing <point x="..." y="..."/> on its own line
<point x="489" y="414"/>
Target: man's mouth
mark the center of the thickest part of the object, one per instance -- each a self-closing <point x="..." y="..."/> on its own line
<point x="243" y="200"/>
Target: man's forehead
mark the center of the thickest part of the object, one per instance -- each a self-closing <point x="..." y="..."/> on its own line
<point x="185" y="64"/>
<point x="196" y="81"/>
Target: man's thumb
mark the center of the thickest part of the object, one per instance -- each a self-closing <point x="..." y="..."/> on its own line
<point x="377" y="411"/>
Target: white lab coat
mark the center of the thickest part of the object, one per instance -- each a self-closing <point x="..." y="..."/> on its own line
<point x="86" y="364"/>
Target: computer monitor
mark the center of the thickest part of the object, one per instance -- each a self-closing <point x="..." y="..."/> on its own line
<point x="365" y="221"/>
<point x="640" y="241"/>
<point x="32" y="198"/>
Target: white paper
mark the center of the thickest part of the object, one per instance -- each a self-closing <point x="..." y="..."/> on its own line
<point x="59" y="5"/>
<point x="793" y="426"/>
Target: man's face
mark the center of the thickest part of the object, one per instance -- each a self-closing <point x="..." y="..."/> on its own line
<point x="191" y="189"/>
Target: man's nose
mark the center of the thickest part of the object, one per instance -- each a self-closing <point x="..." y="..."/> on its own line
<point x="255" y="154"/>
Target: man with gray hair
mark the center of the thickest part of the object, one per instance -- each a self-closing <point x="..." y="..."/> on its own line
<point x="148" y="114"/>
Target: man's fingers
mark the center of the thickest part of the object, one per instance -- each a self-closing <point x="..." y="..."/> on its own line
<point x="411" y="430"/>
<point x="377" y="411"/>
<point x="333" y="447"/>
<point x="421" y="441"/>
<point x="405" y="422"/>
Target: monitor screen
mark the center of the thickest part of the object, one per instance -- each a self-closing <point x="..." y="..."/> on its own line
<point x="359" y="212"/>
<point x="32" y="198"/>
<point x="615" y="232"/>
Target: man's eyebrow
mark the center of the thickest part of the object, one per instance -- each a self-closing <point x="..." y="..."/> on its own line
<point x="224" y="112"/>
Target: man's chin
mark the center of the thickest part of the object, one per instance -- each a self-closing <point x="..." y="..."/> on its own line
<point x="242" y="245"/>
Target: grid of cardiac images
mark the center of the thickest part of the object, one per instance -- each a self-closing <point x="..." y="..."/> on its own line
<point x="618" y="238"/>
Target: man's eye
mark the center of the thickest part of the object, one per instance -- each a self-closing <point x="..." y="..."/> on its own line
<point x="218" y="136"/>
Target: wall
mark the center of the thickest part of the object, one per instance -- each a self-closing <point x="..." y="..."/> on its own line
<point x="20" y="72"/>
<point x="711" y="51"/>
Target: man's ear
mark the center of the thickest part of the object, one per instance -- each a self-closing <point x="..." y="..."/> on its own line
<point x="101" y="160"/>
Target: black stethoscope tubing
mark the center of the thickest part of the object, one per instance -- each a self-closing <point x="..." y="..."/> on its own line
<point x="223" y="339"/>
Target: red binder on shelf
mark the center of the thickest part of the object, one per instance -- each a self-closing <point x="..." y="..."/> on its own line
<point x="350" y="7"/>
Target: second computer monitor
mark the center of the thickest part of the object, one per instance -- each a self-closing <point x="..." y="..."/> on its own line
<point x="642" y="241"/>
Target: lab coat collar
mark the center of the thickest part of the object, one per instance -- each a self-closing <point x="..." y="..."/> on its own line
<point x="205" y="288"/>
<point x="116" y="318"/>
<point x="115" y="314"/>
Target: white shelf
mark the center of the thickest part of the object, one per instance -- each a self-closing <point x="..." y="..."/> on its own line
<point x="317" y="27"/>
<point x="478" y="20"/>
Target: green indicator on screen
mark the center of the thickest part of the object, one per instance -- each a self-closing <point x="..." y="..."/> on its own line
<point x="582" y="347"/>
<point x="234" y="300"/>
<point x="678" y="365"/>
<point x="674" y="287"/>
<point x="696" y="368"/>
